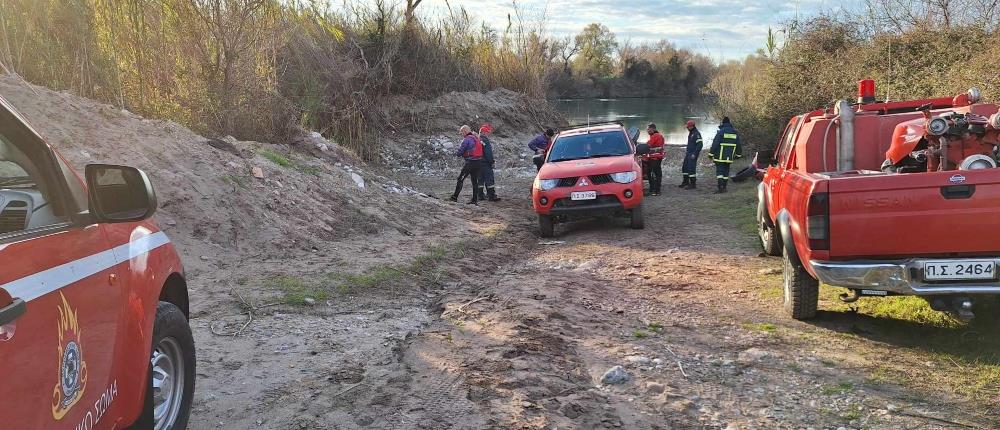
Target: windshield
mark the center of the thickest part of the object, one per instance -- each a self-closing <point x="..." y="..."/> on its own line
<point x="591" y="145"/>
<point x="12" y="174"/>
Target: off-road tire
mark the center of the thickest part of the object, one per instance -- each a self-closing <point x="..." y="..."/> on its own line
<point x="801" y="291"/>
<point x="770" y="240"/>
<point x="546" y="227"/>
<point x="637" y="221"/>
<point x="170" y="322"/>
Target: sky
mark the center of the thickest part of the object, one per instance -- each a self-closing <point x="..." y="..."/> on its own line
<point x="722" y="29"/>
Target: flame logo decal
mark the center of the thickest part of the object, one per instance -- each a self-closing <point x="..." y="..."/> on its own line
<point x="72" y="368"/>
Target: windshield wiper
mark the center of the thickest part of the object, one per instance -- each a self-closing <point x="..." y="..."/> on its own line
<point x="605" y="155"/>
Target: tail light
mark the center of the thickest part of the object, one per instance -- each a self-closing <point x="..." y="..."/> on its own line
<point x="818" y="221"/>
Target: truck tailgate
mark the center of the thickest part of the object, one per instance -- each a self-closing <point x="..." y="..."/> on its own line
<point x="936" y="213"/>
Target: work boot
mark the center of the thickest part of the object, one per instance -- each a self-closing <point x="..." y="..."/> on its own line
<point x="453" y="198"/>
<point x="491" y="194"/>
<point x="687" y="181"/>
<point x="692" y="184"/>
<point x="480" y="195"/>
<point x="474" y="201"/>
<point x="721" y="187"/>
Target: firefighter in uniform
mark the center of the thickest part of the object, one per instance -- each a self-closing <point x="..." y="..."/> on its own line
<point x="726" y="147"/>
<point x="690" y="165"/>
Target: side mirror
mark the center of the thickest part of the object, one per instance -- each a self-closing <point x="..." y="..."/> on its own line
<point x="642" y="149"/>
<point x="765" y="157"/>
<point x="119" y="193"/>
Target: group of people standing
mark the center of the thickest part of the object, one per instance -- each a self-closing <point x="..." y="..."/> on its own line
<point x="477" y="150"/>
<point x="726" y="148"/>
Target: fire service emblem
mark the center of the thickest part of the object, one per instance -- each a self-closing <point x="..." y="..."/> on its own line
<point x="72" y="368"/>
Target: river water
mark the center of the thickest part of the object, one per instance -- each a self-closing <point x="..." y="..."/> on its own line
<point x="669" y="115"/>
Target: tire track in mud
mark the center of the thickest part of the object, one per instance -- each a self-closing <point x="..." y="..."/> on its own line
<point x="526" y="345"/>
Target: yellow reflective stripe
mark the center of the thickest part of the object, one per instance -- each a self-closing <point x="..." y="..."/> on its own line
<point x="729" y="136"/>
<point x="719" y="160"/>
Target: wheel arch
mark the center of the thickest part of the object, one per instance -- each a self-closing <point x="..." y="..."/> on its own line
<point x="785" y="229"/>
<point x="175" y="291"/>
<point x="762" y="210"/>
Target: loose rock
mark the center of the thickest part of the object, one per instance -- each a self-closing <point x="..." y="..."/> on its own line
<point x="615" y="375"/>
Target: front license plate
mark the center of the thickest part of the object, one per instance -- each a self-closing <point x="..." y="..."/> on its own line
<point x="959" y="270"/>
<point x="583" y="195"/>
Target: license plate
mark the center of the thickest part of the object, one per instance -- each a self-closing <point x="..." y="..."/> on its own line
<point x="959" y="270"/>
<point x="583" y="195"/>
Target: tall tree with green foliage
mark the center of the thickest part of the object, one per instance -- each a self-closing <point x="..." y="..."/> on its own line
<point x="597" y="45"/>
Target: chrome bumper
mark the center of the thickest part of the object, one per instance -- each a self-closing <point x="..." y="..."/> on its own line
<point x="899" y="276"/>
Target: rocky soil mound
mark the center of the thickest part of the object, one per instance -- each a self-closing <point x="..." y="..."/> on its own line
<point x="228" y="194"/>
<point x="422" y="136"/>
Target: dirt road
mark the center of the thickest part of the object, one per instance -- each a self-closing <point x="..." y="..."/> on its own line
<point x="502" y="330"/>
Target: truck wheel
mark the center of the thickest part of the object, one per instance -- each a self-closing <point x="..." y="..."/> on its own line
<point x="801" y="290"/>
<point x="638" y="222"/>
<point x="172" y="371"/>
<point x="546" y="227"/>
<point x="769" y="239"/>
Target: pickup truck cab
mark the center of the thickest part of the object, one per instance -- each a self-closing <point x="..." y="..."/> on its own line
<point x="589" y="171"/>
<point x="93" y="300"/>
<point x="841" y="212"/>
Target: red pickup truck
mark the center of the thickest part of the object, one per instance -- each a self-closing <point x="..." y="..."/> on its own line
<point x="590" y="170"/>
<point x="93" y="301"/>
<point x="886" y="198"/>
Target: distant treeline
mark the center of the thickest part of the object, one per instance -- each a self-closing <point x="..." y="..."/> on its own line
<point x="911" y="49"/>
<point x="596" y="64"/>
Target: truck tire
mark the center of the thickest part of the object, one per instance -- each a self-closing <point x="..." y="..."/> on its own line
<point x="638" y="222"/>
<point x="546" y="228"/>
<point x="801" y="290"/>
<point x="770" y="240"/>
<point x="172" y="355"/>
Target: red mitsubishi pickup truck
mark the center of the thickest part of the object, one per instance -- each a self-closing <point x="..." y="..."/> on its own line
<point x="590" y="170"/>
<point x="886" y="198"/>
<point x="93" y="302"/>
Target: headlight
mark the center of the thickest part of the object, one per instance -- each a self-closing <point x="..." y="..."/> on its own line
<point x="546" y="184"/>
<point x="623" y="177"/>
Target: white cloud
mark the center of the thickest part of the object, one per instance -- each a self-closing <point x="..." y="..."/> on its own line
<point x="723" y="29"/>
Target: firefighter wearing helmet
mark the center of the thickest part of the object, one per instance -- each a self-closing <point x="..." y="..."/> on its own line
<point x="726" y="147"/>
<point x="690" y="165"/>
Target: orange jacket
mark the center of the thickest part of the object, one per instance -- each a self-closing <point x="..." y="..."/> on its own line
<point x="656" y="146"/>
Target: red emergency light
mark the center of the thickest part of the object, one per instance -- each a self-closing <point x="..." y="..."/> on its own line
<point x="866" y="91"/>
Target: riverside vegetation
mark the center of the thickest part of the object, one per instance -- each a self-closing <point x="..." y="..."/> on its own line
<point x="262" y="69"/>
<point x="911" y="49"/>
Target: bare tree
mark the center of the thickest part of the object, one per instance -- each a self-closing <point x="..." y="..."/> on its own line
<point x="411" y="6"/>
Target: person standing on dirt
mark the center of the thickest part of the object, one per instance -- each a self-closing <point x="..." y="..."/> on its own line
<point x="726" y="147"/>
<point x="654" y="160"/>
<point x="540" y="145"/>
<point x="486" y="178"/>
<point x="690" y="165"/>
<point x="472" y="151"/>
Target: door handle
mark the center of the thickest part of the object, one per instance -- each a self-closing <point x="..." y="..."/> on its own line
<point x="13" y="311"/>
<point x="952" y="192"/>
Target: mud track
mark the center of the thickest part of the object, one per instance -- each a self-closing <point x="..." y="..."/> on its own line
<point x="510" y="331"/>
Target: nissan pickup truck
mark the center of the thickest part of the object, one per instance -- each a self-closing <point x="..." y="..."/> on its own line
<point x="590" y="170"/>
<point x="885" y="198"/>
<point x="93" y="300"/>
